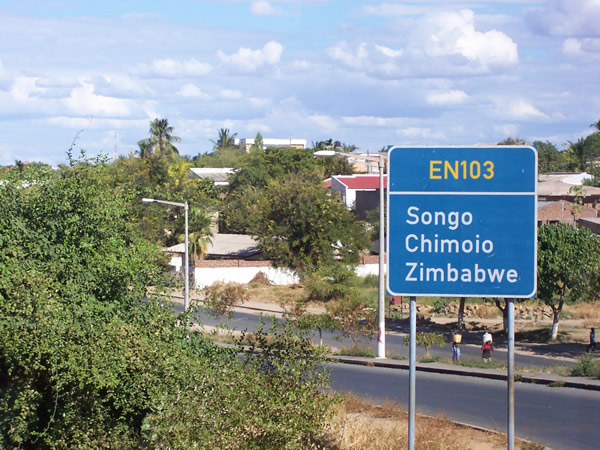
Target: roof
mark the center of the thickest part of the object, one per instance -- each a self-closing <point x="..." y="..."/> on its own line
<point x="225" y="245"/>
<point x="219" y="175"/>
<point x="361" y="182"/>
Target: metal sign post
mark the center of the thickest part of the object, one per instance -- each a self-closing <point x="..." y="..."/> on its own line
<point x="412" y="371"/>
<point x="462" y="222"/>
<point x="510" y="304"/>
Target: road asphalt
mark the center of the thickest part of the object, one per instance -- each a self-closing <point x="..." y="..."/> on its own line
<point x="497" y="374"/>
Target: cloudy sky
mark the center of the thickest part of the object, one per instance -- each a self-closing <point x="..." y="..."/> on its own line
<point x="368" y="73"/>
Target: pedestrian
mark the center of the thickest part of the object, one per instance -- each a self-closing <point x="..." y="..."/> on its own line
<point x="455" y="352"/>
<point x="486" y="351"/>
<point x="592" y="345"/>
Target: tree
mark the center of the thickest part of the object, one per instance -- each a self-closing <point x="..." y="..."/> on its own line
<point x="225" y="140"/>
<point x="427" y="340"/>
<point x="160" y="142"/>
<point x="512" y="141"/>
<point x="568" y="267"/>
<point x="258" y="142"/>
<point x="550" y="159"/>
<point x="596" y="125"/>
<point x="300" y="225"/>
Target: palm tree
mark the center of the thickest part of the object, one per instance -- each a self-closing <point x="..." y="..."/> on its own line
<point x="225" y="140"/>
<point x="596" y="125"/>
<point x="579" y="151"/>
<point x="201" y="234"/>
<point x="144" y="148"/>
<point x="161" y="138"/>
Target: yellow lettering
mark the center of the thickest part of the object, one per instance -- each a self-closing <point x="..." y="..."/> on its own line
<point x="448" y="168"/>
<point x="489" y="165"/>
<point x="434" y="170"/>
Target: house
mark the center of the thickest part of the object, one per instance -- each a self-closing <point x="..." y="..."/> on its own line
<point x="359" y="191"/>
<point x="247" y="143"/>
<point x="220" y="175"/>
<point x="559" y="186"/>
<point x="231" y="258"/>
<point x="561" y="211"/>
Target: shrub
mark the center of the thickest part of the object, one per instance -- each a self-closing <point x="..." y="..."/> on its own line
<point x="220" y="300"/>
<point x="427" y="340"/>
<point x="587" y="366"/>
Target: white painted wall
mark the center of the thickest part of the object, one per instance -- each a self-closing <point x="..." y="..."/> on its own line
<point x="206" y="276"/>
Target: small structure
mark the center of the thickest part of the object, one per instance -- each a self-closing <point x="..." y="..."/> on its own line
<point x="558" y="186"/>
<point x="358" y="191"/>
<point x="562" y="211"/>
<point x="220" y="175"/>
<point x="247" y="143"/>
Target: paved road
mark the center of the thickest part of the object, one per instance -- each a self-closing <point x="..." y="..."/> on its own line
<point x="394" y="343"/>
<point x="561" y="418"/>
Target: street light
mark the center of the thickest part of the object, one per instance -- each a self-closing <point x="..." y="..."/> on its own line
<point x="186" y="291"/>
<point x="381" y="288"/>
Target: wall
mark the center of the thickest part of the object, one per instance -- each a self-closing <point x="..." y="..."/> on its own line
<point x="240" y="271"/>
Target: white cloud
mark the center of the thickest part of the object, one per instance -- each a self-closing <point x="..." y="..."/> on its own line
<point x="191" y="90"/>
<point x="438" y="44"/>
<point x="230" y="94"/>
<point x="324" y="122"/>
<point x="567" y="18"/>
<point x="581" y="47"/>
<point x="249" y="60"/>
<point x="518" y="109"/>
<point x="170" y="68"/>
<point x="420" y="133"/>
<point x="352" y="58"/>
<point x="264" y="8"/>
<point x="301" y="64"/>
<point x="452" y="34"/>
<point x="453" y="97"/>
<point x="394" y="10"/>
<point x="389" y="52"/>
<point x="84" y="101"/>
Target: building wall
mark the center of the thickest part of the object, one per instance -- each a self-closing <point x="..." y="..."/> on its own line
<point x="562" y="211"/>
<point x="241" y="271"/>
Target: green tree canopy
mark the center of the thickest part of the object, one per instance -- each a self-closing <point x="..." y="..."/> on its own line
<point x="568" y="267"/>
<point x="299" y="224"/>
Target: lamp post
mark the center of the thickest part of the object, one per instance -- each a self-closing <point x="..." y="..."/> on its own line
<point x="186" y="291"/>
<point x="381" y="287"/>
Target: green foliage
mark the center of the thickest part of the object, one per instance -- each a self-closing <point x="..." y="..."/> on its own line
<point x="356" y="318"/>
<point x="568" y="267"/>
<point x="587" y="366"/>
<point x="221" y="300"/>
<point x="568" y="263"/>
<point x="88" y="358"/>
<point x="440" y="304"/>
<point x="550" y="159"/>
<point x="300" y="225"/>
<point x="332" y="282"/>
<point x="427" y="340"/>
<point x="262" y="166"/>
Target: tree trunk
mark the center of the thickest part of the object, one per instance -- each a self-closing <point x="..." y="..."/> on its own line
<point x="556" y="318"/>
<point x="504" y="315"/>
<point x="320" y="336"/>
<point x="460" y="324"/>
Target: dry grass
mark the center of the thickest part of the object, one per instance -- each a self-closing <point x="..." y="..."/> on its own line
<point x="585" y="311"/>
<point x="277" y="294"/>
<point x="361" y="425"/>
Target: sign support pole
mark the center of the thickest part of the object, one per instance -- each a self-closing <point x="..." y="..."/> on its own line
<point x="412" y="373"/>
<point x="510" y="304"/>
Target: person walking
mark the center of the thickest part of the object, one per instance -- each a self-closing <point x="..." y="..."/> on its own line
<point x="455" y="352"/>
<point x="486" y="351"/>
<point x="592" y="345"/>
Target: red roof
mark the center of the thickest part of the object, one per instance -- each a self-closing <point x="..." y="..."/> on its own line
<point x="362" y="181"/>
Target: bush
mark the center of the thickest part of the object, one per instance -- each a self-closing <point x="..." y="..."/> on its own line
<point x="427" y="340"/>
<point x="587" y="366"/>
<point x="219" y="300"/>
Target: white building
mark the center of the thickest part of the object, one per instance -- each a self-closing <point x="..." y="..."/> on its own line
<point x="271" y="142"/>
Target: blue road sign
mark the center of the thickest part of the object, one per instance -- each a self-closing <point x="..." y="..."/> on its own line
<point x="462" y="221"/>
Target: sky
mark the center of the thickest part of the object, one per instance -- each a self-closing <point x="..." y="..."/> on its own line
<point x="93" y="74"/>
